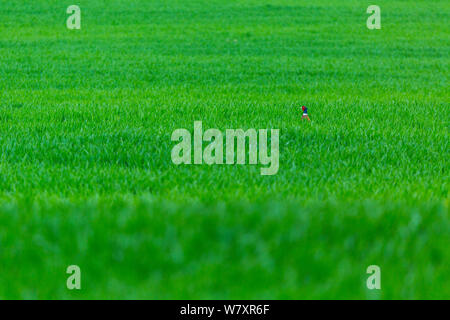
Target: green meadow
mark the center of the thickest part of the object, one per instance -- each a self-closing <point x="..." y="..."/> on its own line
<point x="87" y="179"/>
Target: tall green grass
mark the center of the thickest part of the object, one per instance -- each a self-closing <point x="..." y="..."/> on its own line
<point x="85" y="170"/>
<point x="158" y="250"/>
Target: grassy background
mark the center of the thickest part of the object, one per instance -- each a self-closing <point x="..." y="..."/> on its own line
<point x="86" y="176"/>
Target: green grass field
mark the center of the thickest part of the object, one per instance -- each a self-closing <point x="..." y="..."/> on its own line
<point x="86" y="175"/>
